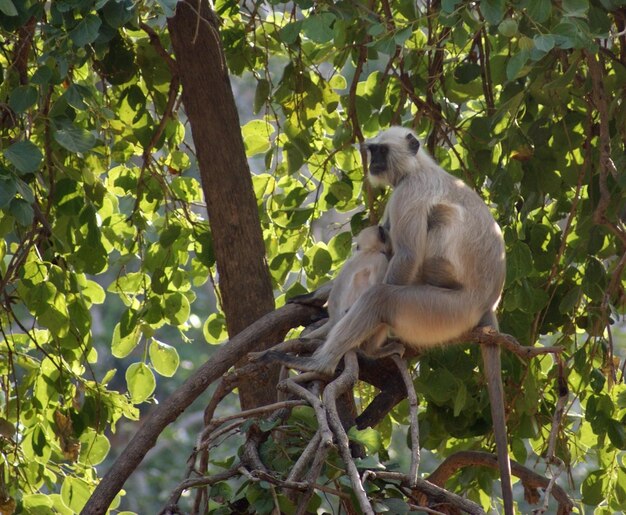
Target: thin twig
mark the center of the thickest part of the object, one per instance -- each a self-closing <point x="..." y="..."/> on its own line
<point x="333" y="391"/>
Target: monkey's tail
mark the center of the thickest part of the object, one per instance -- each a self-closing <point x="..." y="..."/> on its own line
<point x="493" y="370"/>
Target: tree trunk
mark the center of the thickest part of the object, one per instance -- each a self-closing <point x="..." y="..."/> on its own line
<point x="244" y="280"/>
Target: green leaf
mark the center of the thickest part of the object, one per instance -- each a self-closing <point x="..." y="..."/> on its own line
<point x="8" y="189"/>
<point x="508" y="28"/>
<point x="118" y="13"/>
<point x="544" y="42"/>
<point x="368" y="437"/>
<point x="460" y="399"/>
<point x="131" y="283"/>
<point x="86" y="32"/>
<point x="466" y="72"/>
<point x="75" y="493"/>
<point x="214" y="328"/>
<point x="319" y="27"/>
<point x="519" y="261"/>
<point x="22" y="97"/>
<point x="7" y="7"/>
<point x="25" y="156"/>
<point x="539" y="10"/>
<point x="617" y="434"/>
<point x="396" y="506"/>
<point x="22" y="211"/>
<point x="75" y="139"/>
<point x="123" y="346"/>
<point x="261" y="95"/>
<point x="570" y="300"/>
<point x="164" y="358"/>
<point x="493" y="10"/>
<point x="257" y="137"/>
<point x="168" y="6"/>
<point x="94" y="448"/>
<point x="318" y="261"/>
<point x="37" y="503"/>
<point x="515" y="65"/>
<point x="140" y="381"/>
<point x="594" y="487"/>
<point x="577" y="8"/>
<point x="169" y="235"/>
<point x="94" y="292"/>
<point x="290" y="32"/>
<point x="177" y="309"/>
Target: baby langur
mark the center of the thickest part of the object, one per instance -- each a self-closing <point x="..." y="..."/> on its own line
<point x="366" y="267"/>
<point x="445" y="277"/>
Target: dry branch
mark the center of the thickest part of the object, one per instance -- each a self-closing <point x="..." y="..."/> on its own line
<point x="433" y="492"/>
<point x="529" y="478"/>
<point x="333" y="391"/>
<point x="414" y="427"/>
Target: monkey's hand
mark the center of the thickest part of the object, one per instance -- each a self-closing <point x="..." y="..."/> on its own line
<point x="316" y="298"/>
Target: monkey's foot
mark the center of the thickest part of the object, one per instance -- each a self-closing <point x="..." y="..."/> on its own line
<point x="391" y="349"/>
<point x="304" y="364"/>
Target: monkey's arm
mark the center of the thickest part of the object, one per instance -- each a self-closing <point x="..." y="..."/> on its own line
<point x="408" y="234"/>
<point x="316" y="298"/>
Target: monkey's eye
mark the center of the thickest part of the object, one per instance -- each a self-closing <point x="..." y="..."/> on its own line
<point x="384" y="151"/>
<point x="358" y="247"/>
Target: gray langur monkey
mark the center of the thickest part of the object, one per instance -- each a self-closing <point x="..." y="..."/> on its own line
<point x="365" y="268"/>
<point x="445" y="277"/>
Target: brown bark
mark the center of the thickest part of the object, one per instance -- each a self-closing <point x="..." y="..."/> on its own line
<point x="244" y="280"/>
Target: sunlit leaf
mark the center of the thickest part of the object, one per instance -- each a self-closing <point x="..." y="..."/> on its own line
<point x="86" y="31"/>
<point x="75" y="139"/>
<point x="25" y="156"/>
<point x="164" y="358"/>
<point x="140" y="381"/>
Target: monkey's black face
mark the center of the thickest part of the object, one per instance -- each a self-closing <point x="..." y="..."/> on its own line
<point x="378" y="158"/>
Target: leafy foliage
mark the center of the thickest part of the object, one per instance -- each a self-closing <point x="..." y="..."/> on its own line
<point x="523" y="100"/>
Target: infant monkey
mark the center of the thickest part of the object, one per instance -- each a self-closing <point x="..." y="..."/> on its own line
<point x="366" y="267"/>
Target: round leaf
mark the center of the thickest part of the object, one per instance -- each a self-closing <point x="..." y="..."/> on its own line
<point x="75" y="139"/>
<point x="25" y="156"/>
<point x="22" y="97"/>
<point x="140" y="381"/>
<point x="164" y="358"/>
<point x="86" y="31"/>
<point x="94" y="447"/>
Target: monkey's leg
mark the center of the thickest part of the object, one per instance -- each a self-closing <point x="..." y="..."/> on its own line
<point x="363" y="320"/>
<point x="493" y="367"/>
<point x="315" y="298"/>
<point x="376" y="346"/>
<point x="321" y="332"/>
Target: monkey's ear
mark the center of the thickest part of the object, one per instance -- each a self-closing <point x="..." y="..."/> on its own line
<point x="414" y="144"/>
<point x="382" y="234"/>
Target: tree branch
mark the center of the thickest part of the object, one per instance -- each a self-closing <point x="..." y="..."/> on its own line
<point x="289" y="316"/>
<point x="529" y="478"/>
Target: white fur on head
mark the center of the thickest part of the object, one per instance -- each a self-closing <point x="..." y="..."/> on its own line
<point x="402" y="160"/>
<point x="369" y="240"/>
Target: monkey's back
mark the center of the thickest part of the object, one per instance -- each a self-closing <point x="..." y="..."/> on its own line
<point x="358" y="274"/>
<point x="464" y="248"/>
<point x="479" y="253"/>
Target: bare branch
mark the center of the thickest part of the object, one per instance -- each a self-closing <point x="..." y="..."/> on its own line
<point x="414" y="428"/>
<point x="529" y="478"/>
<point x="434" y="492"/>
